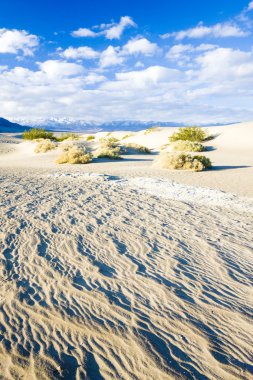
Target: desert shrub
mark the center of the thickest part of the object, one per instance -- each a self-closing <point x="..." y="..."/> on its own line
<point x="44" y="145"/>
<point x="90" y="138"/>
<point x="126" y="136"/>
<point x="38" y="133"/>
<point x="197" y="134"/>
<point x="132" y="147"/>
<point x="149" y="130"/>
<point x="67" y="136"/>
<point x="164" y="146"/>
<point x="188" y="146"/>
<point x="111" y="153"/>
<point x="74" y="155"/>
<point x="110" y="142"/>
<point x="183" y="161"/>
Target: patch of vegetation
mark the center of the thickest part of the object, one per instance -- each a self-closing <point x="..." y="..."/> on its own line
<point x="74" y="155"/>
<point x="195" y="134"/>
<point x="133" y="148"/>
<point x="126" y="136"/>
<point x="149" y="130"/>
<point x="38" y="133"/>
<point x="67" y="136"/>
<point x="110" y="142"/>
<point x="90" y="138"/>
<point x="44" y="145"/>
<point x="188" y="146"/>
<point x="111" y="153"/>
<point x="183" y="161"/>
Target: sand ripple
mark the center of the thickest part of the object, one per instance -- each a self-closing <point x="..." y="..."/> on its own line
<point x="101" y="281"/>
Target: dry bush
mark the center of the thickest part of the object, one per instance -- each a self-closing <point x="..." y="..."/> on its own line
<point x="188" y="146"/>
<point x="151" y="129"/>
<point x="109" y="142"/>
<point x="90" y="138"/>
<point x="197" y="134"/>
<point x="68" y="136"/>
<point x="44" y="146"/>
<point x="133" y="148"/>
<point x="111" y="153"/>
<point x="74" y="155"/>
<point x="183" y="161"/>
<point x="126" y="136"/>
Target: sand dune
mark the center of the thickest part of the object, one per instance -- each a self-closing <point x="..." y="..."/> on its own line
<point x="103" y="278"/>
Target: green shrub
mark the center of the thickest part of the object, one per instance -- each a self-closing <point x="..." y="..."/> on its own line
<point x="90" y="138"/>
<point x="188" y="146"/>
<point x="38" y="133"/>
<point x="133" y="148"/>
<point x="183" y="161"/>
<point x="74" y="155"/>
<point x="111" y="153"/>
<point x="196" y="134"/>
<point x="44" y="145"/>
<point x="67" y="136"/>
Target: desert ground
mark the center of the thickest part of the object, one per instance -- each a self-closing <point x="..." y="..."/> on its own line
<point x="123" y="270"/>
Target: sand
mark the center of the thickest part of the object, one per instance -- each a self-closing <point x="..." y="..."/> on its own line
<point x="122" y="271"/>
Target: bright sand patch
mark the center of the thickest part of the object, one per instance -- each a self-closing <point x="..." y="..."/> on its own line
<point x="126" y="276"/>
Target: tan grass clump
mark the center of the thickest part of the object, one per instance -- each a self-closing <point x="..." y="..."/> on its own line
<point x="188" y="146"/>
<point x="44" y="146"/>
<point x="183" y="161"/>
<point x="133" y="148"/>
<point x="74" y="155"/>
<point x="111" y="153"/>
<point x="109" y="142"/>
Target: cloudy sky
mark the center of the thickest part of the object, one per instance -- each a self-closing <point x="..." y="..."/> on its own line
<point x="142" y="60"/>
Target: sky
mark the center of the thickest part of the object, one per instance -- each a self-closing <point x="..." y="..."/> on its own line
<point x="182" y="61"/>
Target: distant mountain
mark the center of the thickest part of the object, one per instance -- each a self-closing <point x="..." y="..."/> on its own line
<point x="66" y="124"/>
<point x="7" y="126"/>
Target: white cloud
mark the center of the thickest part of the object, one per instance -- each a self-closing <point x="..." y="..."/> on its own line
<point x="110" y="57"/>
<point x="14" y="41"/>
<point x="182" y="53"/>
<point x="140" y="46"/>
<point x="83" y="32"/>
<point x="110" y="31"/>
<point x="225" y="64"/>
<point x="221" y="30"/>
<point x="250" y="6"/>
<point x="116" y="31"/>
<point x="82" y="52"/>
<point x="57" y="69"/>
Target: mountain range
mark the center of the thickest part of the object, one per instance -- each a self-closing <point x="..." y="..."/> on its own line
<point x="71" y="125"/>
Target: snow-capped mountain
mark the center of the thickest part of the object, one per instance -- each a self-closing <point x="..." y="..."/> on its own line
<point x="67" y="124"/>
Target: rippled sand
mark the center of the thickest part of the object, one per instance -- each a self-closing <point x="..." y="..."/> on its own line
<point x="102" y="281"/>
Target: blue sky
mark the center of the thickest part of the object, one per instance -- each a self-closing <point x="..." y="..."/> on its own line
<point x="178" y="61"/>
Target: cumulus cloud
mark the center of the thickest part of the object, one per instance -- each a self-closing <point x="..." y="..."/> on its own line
<point x="60" y="88"/>
<point x="110" y="57"/>
<point x="14" y="41"/>
<point x="225" y="63"/>
<point x="140" y="46"/>
<point x="82" y="52"/>
<point x="181" y="51"/>
<point x="116" y="30"/>
<point x="110" y="31"/>
<point x="221" y="30"/>
<point x="58" y="69"/>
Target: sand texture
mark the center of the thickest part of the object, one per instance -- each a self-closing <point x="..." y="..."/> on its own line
<point x="115" y="276"/>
